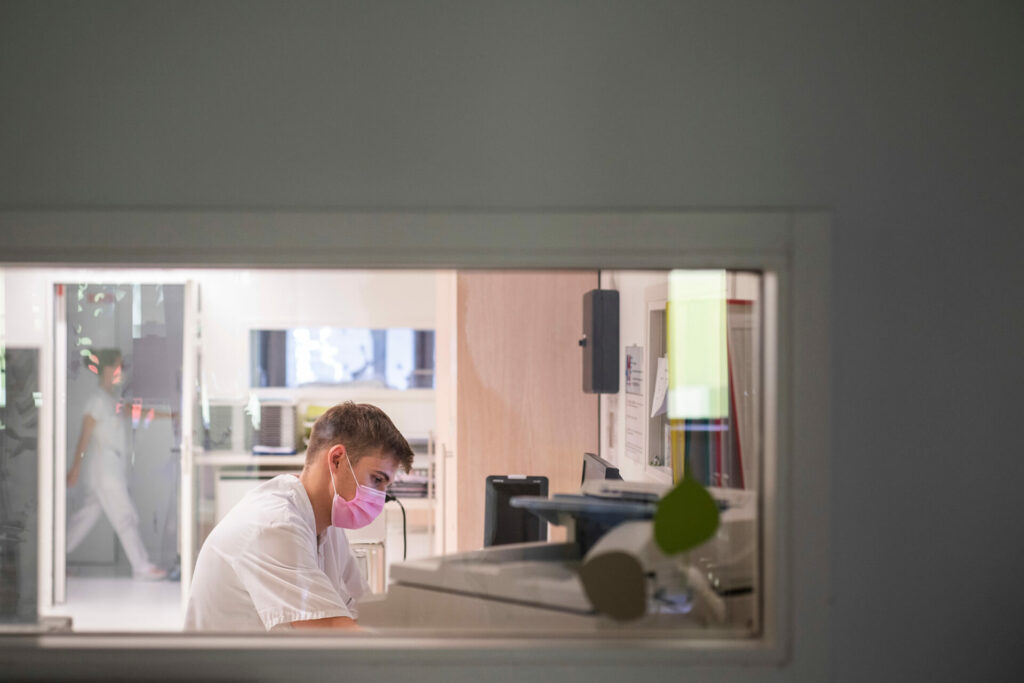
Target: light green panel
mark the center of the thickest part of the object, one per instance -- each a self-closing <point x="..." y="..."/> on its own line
<point x="698" y="367"/>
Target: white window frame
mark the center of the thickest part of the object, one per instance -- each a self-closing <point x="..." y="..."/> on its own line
<point x="792" y="246"/>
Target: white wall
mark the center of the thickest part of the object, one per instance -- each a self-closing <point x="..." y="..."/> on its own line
<point x="236" y="301"/>
<point x="636" y="289"/>
<point x="903" y="118"/>
<point x="25" y="306"/>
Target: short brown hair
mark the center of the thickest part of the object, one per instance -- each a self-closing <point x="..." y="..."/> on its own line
<point x="360" y="427"/>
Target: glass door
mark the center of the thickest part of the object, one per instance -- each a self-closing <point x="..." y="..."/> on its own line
<point x="121" y="427"/>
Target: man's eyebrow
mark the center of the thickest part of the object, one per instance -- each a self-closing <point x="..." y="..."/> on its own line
<point x="384" y="475"/>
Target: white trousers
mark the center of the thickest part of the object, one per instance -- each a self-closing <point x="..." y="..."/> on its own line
<point x="106" y="492"/>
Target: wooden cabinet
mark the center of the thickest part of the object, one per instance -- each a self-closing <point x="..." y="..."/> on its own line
<point x="509" y="389"/>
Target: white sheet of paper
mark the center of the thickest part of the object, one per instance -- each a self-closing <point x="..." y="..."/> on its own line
<point x="659" y="401"/>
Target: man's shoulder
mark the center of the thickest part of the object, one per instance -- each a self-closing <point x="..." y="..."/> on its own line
<point x="283" y="487"/>
<point x="273" y="504"/>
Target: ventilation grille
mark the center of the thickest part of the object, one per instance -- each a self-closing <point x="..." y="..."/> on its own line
<point x="277" y="429"/>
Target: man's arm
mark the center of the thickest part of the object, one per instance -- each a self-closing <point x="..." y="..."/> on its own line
<point x="347" y="623"/>
<point x="279" y="570"/>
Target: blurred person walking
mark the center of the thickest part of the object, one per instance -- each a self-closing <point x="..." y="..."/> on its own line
<point x="102" y="448"/>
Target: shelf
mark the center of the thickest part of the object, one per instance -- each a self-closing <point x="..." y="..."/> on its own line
<point x="417" y="503"/>
<point x="248" y="459"/>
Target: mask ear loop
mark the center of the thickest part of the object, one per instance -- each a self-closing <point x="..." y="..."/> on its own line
<point x="330" y="473"/>
<point x="334" y="484"/>
<point x="352" y="470"/>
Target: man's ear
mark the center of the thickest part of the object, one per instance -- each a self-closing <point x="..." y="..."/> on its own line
<point x="335" y="454"/>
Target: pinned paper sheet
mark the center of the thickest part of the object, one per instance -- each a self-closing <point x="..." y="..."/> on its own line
<point x="635" y="426"/>
<point x="635" y="370"/>
<point x="659" y="401"/>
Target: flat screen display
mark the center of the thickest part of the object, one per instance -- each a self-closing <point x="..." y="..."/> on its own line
<point x="504" y="524"/>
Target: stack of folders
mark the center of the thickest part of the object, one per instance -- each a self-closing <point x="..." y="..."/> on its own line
<point x="412" y="485"/>
<point x="713" y="454"/>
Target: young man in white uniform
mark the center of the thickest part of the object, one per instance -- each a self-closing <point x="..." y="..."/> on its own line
<point x="102" y="446"/>
<point x="279" y="558"/>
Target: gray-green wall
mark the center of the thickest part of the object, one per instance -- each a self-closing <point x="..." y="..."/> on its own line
<point x="904" y="118"/>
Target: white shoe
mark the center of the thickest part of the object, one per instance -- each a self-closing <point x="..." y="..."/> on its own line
<point x="150" y="573"/>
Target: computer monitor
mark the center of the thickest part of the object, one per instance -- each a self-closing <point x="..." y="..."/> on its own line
<point x="505" y="524"/>
<point x="596" y="467"/>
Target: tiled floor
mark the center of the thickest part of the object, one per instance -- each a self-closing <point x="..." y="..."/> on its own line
<point x="122" y="604"/>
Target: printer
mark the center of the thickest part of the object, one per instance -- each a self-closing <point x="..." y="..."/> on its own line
<point x="712" y="589"/>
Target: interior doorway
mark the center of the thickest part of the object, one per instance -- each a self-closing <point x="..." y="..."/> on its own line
<point x="118" y="359"/>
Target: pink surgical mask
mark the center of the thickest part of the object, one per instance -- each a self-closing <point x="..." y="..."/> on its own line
<point x="361" y="510"/>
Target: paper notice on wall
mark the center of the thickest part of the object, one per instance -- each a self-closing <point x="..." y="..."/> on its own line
<point x="635" y="370"/>
<point x="635" y="425"/>
<point x="659" y="400"/>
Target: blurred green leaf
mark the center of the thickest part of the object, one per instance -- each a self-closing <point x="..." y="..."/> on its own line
<point x="685" y="518"/>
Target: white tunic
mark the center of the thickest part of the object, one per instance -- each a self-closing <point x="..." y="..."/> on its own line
<point x="110" y="432"/>
<point x="262" y="567"/>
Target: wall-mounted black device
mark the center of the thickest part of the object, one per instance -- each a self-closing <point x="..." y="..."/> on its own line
<point x="600" y="341"/>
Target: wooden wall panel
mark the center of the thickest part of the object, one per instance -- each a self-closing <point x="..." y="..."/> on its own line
<point x="520" y="404"/>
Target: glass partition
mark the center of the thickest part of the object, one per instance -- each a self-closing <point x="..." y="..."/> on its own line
<point x="493" y="386"/>
<point x="20" y="400"/>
